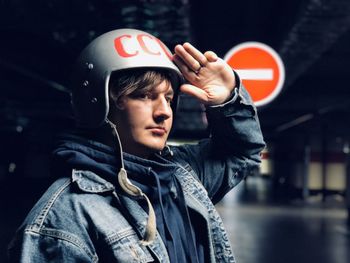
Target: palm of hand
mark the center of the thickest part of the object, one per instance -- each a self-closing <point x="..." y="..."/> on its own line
<point x="213" y="83"/>
<point x="210" y="79"/>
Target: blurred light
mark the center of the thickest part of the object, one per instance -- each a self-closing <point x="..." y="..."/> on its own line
<point x="19" y="129"/>
<point x="12" y="167"/>
<point x="346" y="148"/>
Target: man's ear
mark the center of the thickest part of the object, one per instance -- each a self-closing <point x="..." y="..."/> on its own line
<point x="118" y="103"/>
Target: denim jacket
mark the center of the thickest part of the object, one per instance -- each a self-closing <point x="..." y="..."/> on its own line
<point x="83" y="217"/>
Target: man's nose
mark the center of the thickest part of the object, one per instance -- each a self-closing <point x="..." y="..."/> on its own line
<point x="162" y="108"/>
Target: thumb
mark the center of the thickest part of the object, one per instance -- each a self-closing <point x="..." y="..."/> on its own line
<point x="194" y="91"/>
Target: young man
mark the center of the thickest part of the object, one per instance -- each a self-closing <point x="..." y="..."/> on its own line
<point x="125" y="196"/>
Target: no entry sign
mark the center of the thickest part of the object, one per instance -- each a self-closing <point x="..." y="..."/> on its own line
<point x="260" y="68"/>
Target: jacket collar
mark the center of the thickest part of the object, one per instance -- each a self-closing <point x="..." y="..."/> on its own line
<point x="88" y="181"/>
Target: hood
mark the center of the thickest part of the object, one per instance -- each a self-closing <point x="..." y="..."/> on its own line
<point x="72" y="151"/>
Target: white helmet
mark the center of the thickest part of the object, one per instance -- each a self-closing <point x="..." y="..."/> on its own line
<point x="113" y="51"/>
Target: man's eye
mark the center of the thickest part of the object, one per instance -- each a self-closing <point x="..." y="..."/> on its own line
<point x="169" y="99"/>
<point x="141" y="96"/>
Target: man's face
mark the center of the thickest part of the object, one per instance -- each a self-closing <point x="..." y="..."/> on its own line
<point x="144" y="120"/>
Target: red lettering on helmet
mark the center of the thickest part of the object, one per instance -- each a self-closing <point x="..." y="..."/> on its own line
<point x="165" y="49"/>
<point x="118" y="44"/>
<point x="142" y="43"/>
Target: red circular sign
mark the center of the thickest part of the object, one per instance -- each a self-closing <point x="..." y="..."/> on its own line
<point x="260" y="68"/>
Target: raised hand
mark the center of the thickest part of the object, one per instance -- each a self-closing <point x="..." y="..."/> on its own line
<point x="211" y="79"/>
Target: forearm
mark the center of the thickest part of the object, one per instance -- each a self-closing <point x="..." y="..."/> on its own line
<point x="233" y="150"/>
<point x="234" y="125"/>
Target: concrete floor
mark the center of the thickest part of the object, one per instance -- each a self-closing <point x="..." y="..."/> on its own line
<point x="261" y="229"/>
<point x="266" y="231"/>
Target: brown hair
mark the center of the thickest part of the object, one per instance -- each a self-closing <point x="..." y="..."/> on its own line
<point x="135" y="81"/>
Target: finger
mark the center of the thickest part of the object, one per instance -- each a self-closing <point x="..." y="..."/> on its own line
<point x="211" y="56"/>
<point x="187" y="58"/>
<point x="186" y="71"/>
<point x="194" y="91"/>
<point x="195" y="53"/>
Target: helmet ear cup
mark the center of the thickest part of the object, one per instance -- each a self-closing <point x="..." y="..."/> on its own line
<point x="114" y="51"/>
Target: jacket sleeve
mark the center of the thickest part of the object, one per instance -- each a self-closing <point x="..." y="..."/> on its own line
<point x="233" y="148"/>
<point x="33" y="247"/>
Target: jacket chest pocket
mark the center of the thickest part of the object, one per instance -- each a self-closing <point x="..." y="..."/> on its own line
<point x="126" y="247"/>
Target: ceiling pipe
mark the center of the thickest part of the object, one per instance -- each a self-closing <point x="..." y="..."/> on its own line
<point x="319" y="26"/>
<point x="310" y="116"/>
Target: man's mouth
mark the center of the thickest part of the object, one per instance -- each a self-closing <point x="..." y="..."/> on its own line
<point x="158" y="130"/>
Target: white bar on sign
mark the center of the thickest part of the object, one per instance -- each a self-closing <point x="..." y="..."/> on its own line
<point x="255" y="74"/>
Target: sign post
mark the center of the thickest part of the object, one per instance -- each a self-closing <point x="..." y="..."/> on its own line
<point x="260" y="68"/>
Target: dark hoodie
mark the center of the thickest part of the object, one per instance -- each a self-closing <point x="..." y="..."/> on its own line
<point x="154" y="177"/>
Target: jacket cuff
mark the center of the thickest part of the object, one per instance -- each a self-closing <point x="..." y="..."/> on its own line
<point x="234" y="93"/>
